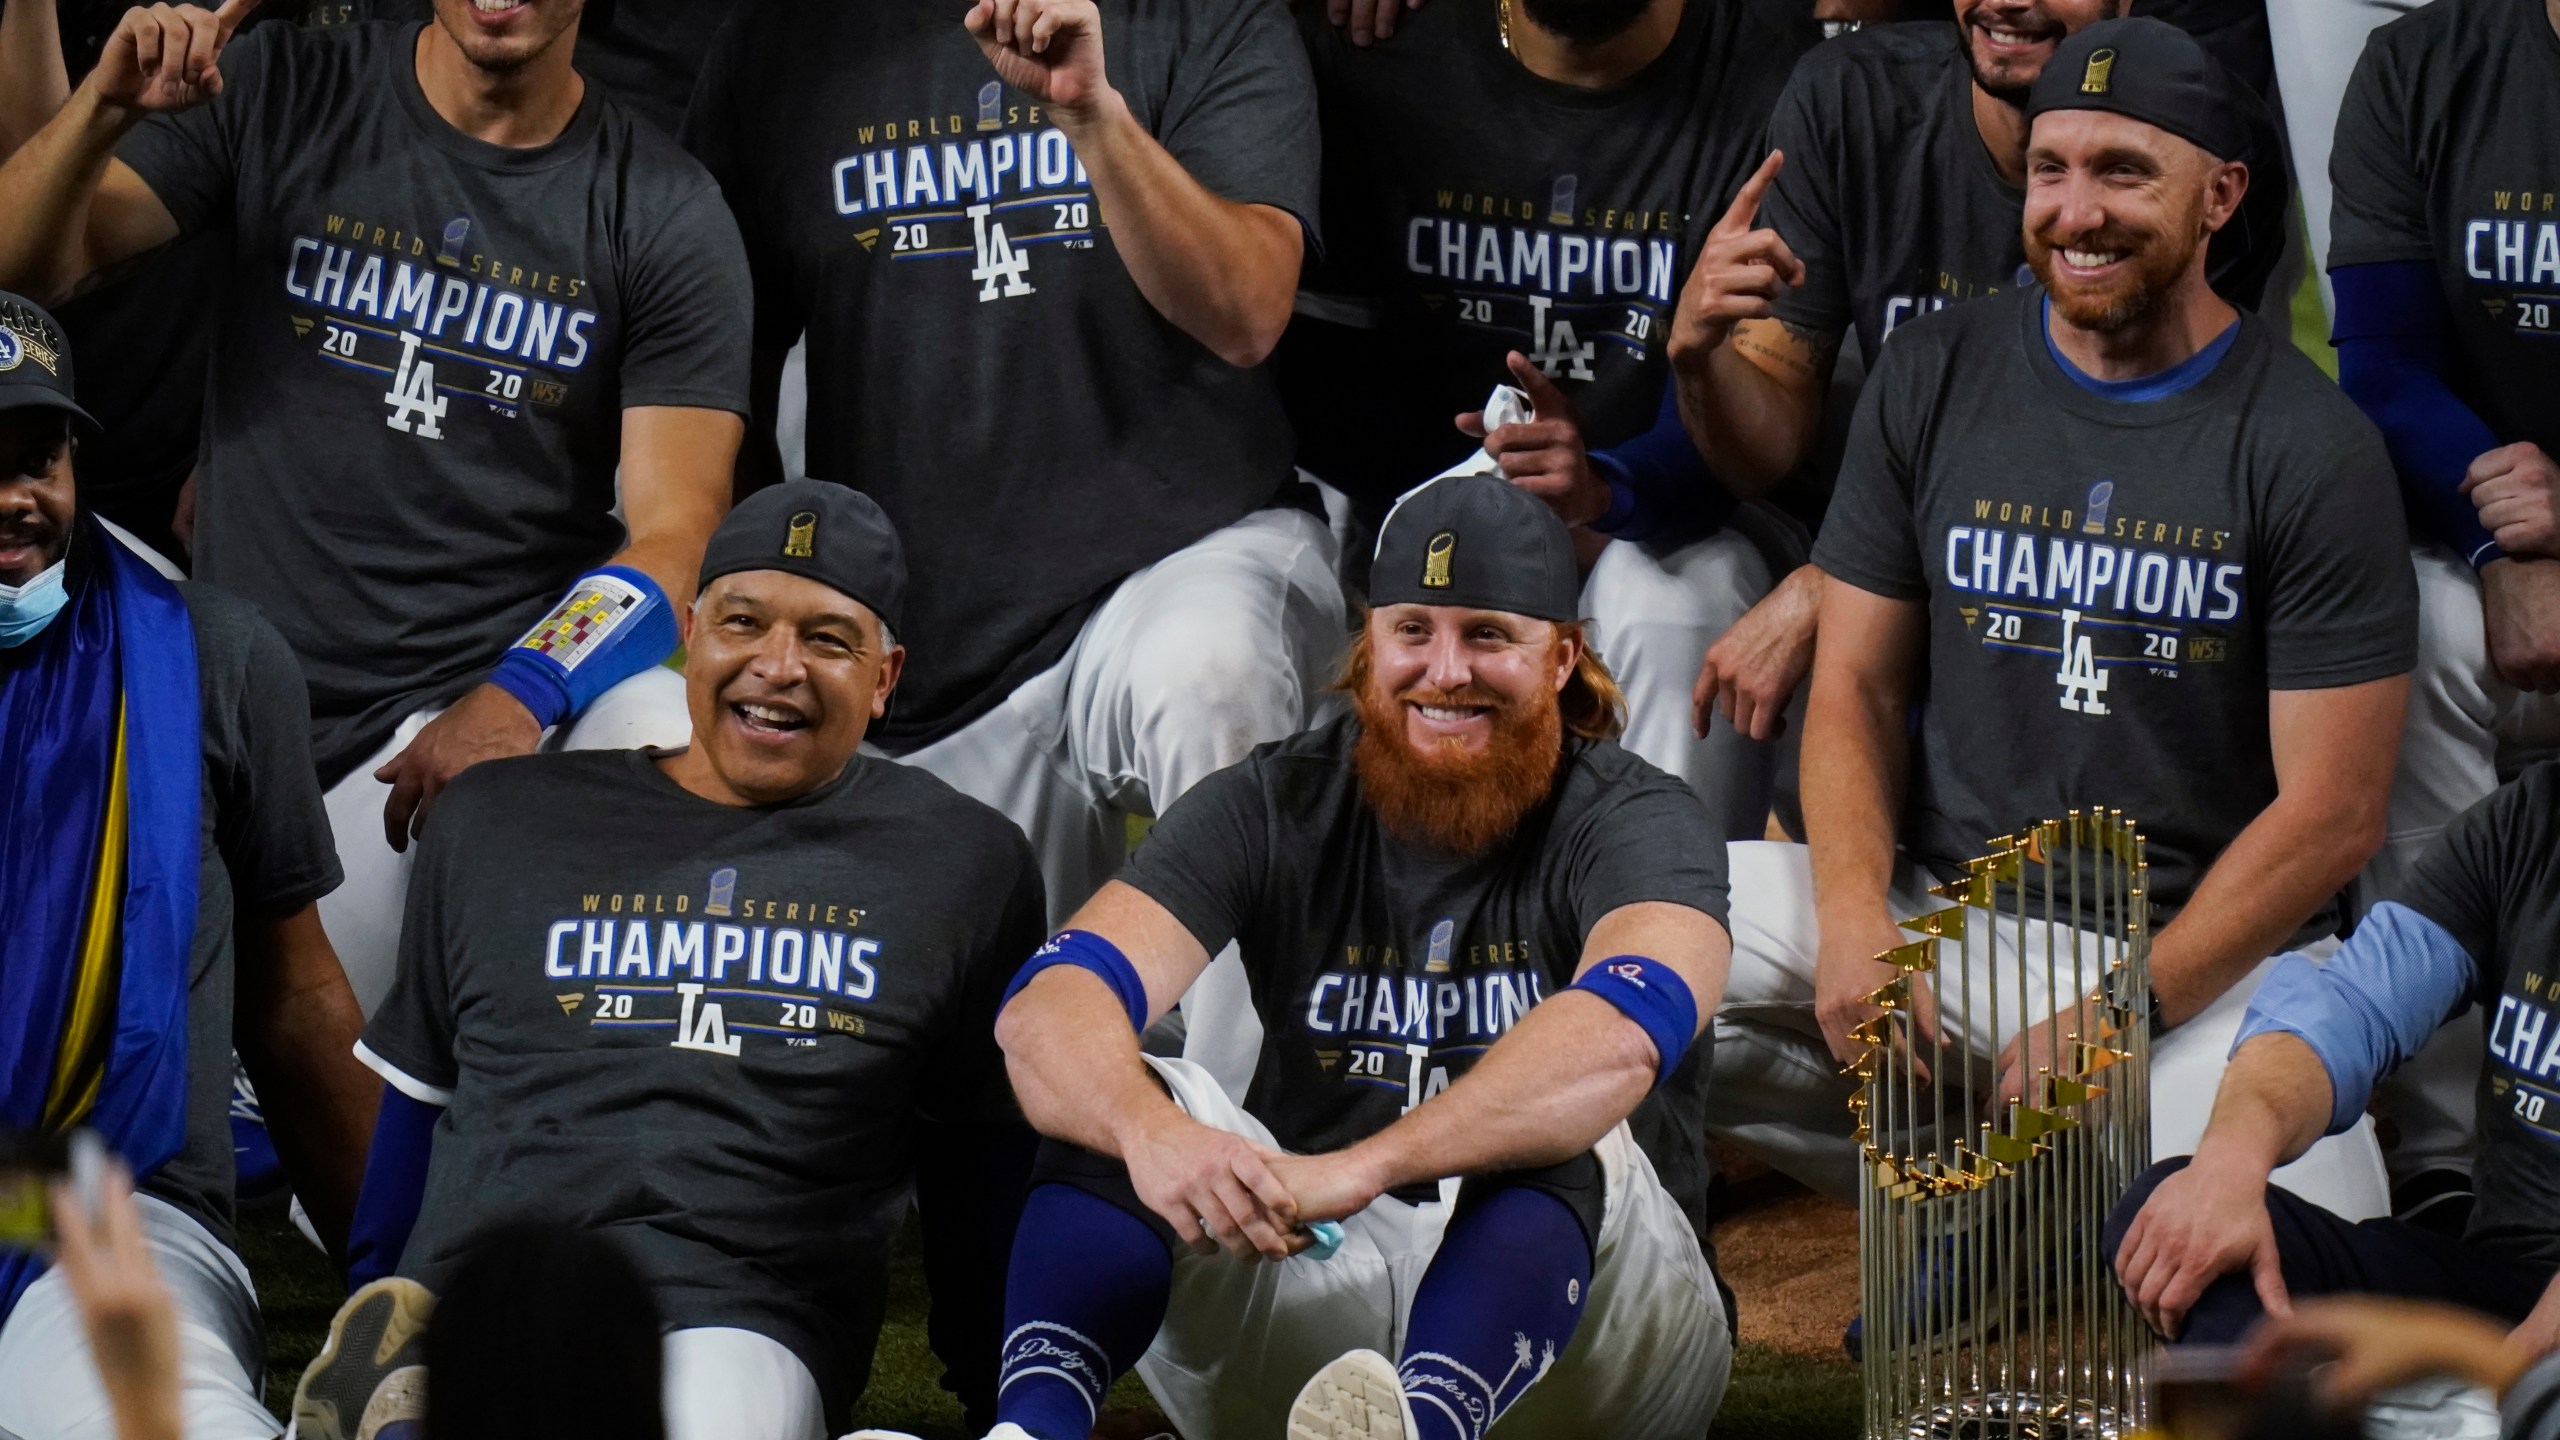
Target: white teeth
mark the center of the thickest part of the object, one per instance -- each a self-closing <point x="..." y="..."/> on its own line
<point x="2012" y="37"/>
<point x="491" y="7"/>
<point x="2091" y="259"/>
<point x="769" y="715"/>
<point x="1443" y="713"/>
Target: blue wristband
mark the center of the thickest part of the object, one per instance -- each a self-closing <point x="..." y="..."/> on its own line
<point x="1087" y="951"/>
<point x="613" y="624"/>
<point x="1654" y="996"/>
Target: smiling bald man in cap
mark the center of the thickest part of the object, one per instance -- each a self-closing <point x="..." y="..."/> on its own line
<point x="728" y="1002"/>
<point x="1479" y="937"/>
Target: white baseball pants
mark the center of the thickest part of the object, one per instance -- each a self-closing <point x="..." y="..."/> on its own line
<point x="1648" y="1362"/>
<point x="1652" y="614"/>
<point x="49" y="1386"/>
<point x="1778" y="1094"/>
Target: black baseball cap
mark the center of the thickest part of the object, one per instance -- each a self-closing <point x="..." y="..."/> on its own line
<point x="35" y="360"/>
<point x="821" y="531"/>
<point x="1478" y="541"/>
<point x="2147" y="70"/>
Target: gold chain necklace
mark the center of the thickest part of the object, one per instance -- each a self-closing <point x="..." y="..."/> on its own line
<point x="1506" y="23"/>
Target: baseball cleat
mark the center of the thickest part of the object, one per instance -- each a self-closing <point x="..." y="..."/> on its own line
<point x="1357" y="1397"/>
<point x="372" y="1372"/>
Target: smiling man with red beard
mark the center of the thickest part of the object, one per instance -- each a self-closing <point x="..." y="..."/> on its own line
<point x="726" y="1004"/>
<point x="1480" y="938"/>
<point x="2117" y="545"/>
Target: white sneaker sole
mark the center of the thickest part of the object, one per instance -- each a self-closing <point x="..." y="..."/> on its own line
<point x="375" y="1334"/>
<point x="1357" y="1397"/>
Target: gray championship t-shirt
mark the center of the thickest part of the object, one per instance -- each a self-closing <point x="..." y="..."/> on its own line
<point x="2448" y="153"/>
<point x="423" y="354"/>
<point x="1567" y="238"/>
<point x="267" y="853"/>
<point x="1382" y="969"/>
<point x="711" y="1031"/>
<point x="2493" y="881"/>
<point x="980" y="361"/>
<point x="2114" y="587"/>
<point x="1895" y="207"/>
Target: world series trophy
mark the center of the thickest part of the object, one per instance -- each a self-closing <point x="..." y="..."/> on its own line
<point x="1990" y="1311"/>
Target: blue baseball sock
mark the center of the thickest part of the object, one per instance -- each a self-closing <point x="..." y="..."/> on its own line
<point x="1083" y="1299"/>
<point x="1497" y="1306"/>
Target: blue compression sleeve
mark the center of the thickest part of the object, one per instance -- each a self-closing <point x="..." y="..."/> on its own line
<point x="1659" y="487"/>
<point x="1086" y="951"/>
<point x="613" y="624"/>
<point x="395" y="1187"/>
<point x="2371" y="1006"/>
<point x="1654" y="996"/>
<point x="2395" y="348"/>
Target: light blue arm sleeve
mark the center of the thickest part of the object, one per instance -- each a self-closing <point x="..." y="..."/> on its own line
<point x="2370" y="1006"/>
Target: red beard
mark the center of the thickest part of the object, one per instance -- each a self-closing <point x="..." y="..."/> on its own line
<point x="1450" y="799"/>
<point x="2158" y="263"/>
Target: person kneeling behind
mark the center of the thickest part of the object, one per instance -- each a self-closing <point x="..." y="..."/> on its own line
<point x="727" y="1002"/>
<point x="2204" y="1246"/>
<point x="1480" y="938"/>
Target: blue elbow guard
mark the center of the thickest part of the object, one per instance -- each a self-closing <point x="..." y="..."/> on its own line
<point x="613" y="624"/>
<point x="1654" y="996"/>
<point x="1087" y="951"/>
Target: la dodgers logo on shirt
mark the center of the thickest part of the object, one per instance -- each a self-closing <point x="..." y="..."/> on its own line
<point x="1004" y="186"/>
<point x="710" y="982"/>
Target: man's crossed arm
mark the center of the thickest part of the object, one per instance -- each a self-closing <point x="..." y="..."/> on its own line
<point x="1576" y="1065"/>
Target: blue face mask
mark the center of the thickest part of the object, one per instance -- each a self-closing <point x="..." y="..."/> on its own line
<point x="26" y="609"/>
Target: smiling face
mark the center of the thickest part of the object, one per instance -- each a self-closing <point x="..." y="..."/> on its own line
<point x="1455" y="679"/>
<point x="37" y="496"/>
<point x="1460" y="725"/>
<point x="2007" y="42"/>
<point x="782" y="675"/>
<point x="2118" y="214"/>
<point x="503" y="35"/>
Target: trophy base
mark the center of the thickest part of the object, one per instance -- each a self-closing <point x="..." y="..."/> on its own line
<point x="2011" y="1417"/>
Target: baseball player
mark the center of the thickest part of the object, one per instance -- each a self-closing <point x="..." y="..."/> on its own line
<point x="1480" y="936"/>
<point x="2205" y="1249"/>
<point x="1901" y="170"/>
<point x="165" y="851"/>
<point x="1591" y="155"/>
<point x="453" y="335"/>
<point x="2445" y="267"/>
<point x="728" y="1002"/>
<point x="2115" y="543"/>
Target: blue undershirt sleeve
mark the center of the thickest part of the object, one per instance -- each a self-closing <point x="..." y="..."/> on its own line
<point x="2370" y="1006"/>
<point x="395" y="1187"/>
<point x="1660" y="489"/>
<point x="2395" y="346"/>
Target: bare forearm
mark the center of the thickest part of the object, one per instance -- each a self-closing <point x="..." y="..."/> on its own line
<point x="33" y="82"/>
<point x="1075" y="1064"/>
<point x="1753" y="430"/>
<point x="1855" y="748"/>
<point x="46" y="189"/>
<point x="2280" y="869"/>
<point x="679" y="469"/>
<point x="319" y="1099"/>
<point x="1222" y="271"/>
<point x="2273" y="1105"/>
<point x="1543" y="1094"/>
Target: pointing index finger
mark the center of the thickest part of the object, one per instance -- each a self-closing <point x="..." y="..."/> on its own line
<point x="228" y="18"/>
<point x="1744" y="213"/>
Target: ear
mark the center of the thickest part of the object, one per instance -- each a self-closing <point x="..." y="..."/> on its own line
<point x="2226" y="184"/>
<point x="1568" y="655"/>
<point x="684" y="622"/>
<point x="892" y="665"/>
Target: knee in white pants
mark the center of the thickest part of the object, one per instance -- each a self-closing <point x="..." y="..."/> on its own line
<point x="724" y="1383"/>
<point x="1651" y="616"/>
